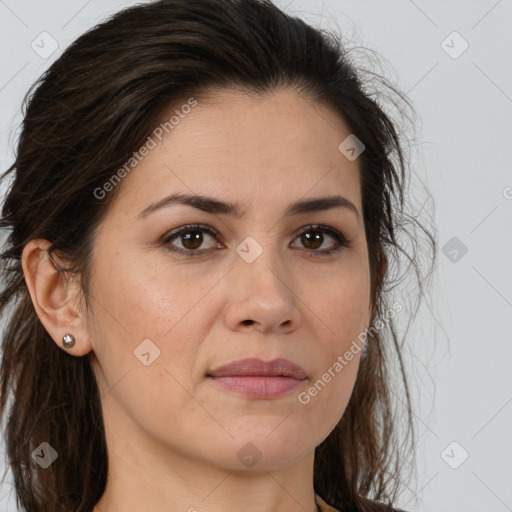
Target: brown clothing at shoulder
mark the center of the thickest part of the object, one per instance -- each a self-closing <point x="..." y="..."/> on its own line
<point x="373" y="506"/>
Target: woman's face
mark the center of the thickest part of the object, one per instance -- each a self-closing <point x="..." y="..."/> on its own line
<point x="263" y="286"/>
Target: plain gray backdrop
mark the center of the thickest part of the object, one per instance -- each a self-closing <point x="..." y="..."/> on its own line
<point x="453" y="60"/>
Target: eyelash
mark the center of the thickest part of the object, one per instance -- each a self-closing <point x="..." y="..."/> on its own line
<point x="320" y="228"/>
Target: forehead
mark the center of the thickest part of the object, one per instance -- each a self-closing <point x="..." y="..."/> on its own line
<point x="269" y="149"/>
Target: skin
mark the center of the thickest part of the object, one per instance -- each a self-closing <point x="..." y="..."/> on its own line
<point x="172" y="435"/>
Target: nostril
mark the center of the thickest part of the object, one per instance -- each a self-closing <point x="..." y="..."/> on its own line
<point x="247" y="322"/>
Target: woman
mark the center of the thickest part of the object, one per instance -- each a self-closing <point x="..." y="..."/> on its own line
<point x="202" y="220"/>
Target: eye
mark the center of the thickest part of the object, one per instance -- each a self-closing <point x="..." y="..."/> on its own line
<point x="313" y="237"/>
<point x="191" y="238"/>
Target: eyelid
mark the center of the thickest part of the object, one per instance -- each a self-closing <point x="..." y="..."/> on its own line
<point x="318" y="227"/>
<point x="190" y="227"/>
<point x="342" y="241"/>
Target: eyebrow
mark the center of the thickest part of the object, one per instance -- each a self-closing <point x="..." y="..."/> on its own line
<point x="216" y="206"/>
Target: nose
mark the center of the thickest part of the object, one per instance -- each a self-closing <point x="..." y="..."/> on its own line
<point x="261" y="295"/>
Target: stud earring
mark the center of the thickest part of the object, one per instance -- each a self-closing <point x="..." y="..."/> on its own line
<point x="68" y="340"/>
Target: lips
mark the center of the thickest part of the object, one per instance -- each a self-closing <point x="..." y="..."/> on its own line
<point x="258" y="368"/>
<point x="259" y="379"/>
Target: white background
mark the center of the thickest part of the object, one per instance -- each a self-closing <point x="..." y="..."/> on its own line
<point x="463" y="146"/>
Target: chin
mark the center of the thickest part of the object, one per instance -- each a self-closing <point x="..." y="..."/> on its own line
<point x="266" y="450"/>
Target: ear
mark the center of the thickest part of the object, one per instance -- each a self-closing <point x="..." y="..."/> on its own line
<point x="55" y="300"/>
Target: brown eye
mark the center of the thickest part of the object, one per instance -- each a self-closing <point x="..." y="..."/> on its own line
<point x="191" y="238"/>
<point x="313" y="237"/>
<point x="312" y="241"/>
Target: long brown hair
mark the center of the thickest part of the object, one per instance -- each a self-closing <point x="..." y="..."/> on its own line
<point x="83" y="119"/>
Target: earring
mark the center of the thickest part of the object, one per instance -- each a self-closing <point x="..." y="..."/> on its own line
<point x="68" y="340"/>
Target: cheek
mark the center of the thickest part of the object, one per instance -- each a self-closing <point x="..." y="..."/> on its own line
<point x="144" y="339"/>
<point x="134" y="301"/>
<point x="341" y="303"/>
<point x="339" y="322"/>
<point x="139" y="296"/>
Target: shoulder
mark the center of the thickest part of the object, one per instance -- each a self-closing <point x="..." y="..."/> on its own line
<point x="374" y="506"/>
<point x="382" y="507"/>
<point x="323" y="506"/>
